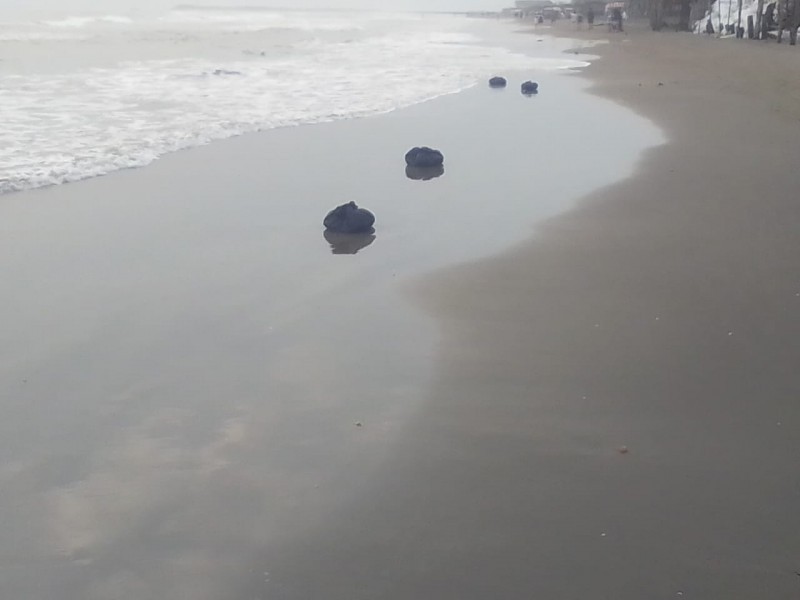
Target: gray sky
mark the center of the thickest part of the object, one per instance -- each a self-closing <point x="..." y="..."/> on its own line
<point x="116" y="5"/>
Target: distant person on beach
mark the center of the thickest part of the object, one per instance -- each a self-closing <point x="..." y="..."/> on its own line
<point x="590" y="17"/>
<point x="616" y="19"/>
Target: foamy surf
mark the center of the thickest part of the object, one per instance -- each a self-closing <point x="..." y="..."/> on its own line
<point x="87" y="120"/>
<point x="85" y="21"/>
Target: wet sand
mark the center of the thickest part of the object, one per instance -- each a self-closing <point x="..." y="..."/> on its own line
<point x="184" y="357"/>
<point x="615" y="407"/>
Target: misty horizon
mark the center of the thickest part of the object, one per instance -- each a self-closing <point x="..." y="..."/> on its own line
<point x="109" y="6"/>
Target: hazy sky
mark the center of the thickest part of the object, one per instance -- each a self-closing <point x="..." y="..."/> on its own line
<point x="117" y="5"/>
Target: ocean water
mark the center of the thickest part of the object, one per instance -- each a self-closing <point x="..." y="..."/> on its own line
<point x="85" y="95"/>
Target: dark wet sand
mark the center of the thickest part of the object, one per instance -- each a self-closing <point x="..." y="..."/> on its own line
<point x="663" y="316"/>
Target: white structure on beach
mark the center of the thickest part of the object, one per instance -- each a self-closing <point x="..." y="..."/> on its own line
<point x="726" y="12"/>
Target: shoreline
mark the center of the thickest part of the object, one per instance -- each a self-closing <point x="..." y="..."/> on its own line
<point x="485" y="48"/>
<point x="185" y="360"/>
<point x="614" y="410"/>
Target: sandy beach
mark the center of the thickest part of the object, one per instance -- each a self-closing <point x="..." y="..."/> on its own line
<point x="614" y="410"/>
<point x="564" y="370"/>
<point x="185" y="356"/>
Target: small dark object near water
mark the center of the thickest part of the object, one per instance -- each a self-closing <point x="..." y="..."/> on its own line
<point x="424" y="157"/>
<point x="530" y="87"/>
<point x="497" y="82"/>
<point x="424" y="173"/>
<point x="349" y="218"/>
<point x="222" y="72"/>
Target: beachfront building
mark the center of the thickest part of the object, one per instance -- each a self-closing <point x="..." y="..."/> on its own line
<point x="511" y="13"/>
<point x="547" y="8"/>
<point x="597" y="6"/>
<point x="528" y="8"/>
<point x="582" y="7"/>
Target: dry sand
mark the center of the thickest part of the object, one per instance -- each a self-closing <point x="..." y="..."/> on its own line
<point x="662" y="317"/>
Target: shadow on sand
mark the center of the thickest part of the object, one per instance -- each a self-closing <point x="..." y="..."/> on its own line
<point x="424" y="173"/>
<point x="348" y="243"/>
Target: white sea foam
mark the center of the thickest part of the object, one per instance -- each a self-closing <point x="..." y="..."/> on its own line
<point x="255" y="20"/>
<point x="78" y="123"/>
<point x="84" y="21"/>
<point x="21" y="34"/>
